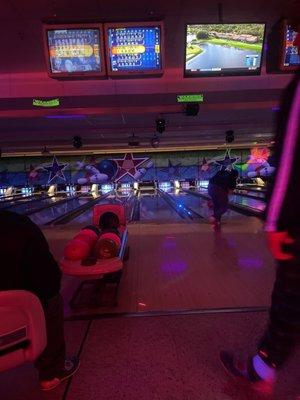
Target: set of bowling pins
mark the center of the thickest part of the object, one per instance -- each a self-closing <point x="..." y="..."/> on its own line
<point x="185" y="185"/>
<point x="164" y="185"/>
<point x="108" y="187"/>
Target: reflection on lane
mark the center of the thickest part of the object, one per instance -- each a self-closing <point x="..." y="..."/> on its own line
<point x="196" y="204"/>
<point x="155" y="208"/>
<point x="48" y="214"/>
<point x="250" y="192"/>
<point x="199" y="204"/>
<point x="239" y="200"/>
<point x="255" y="204"/>
<point x="12" y="202"/>
<point x="31" y="206"/>
<point x="86" y="217"/>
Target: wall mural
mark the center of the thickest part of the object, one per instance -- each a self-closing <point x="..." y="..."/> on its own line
<point x="256" y="162"/>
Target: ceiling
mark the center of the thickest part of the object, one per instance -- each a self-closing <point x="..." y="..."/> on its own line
<point x="105" y="112"/>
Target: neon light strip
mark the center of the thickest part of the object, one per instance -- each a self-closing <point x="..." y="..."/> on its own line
<point x="285" y="165"/>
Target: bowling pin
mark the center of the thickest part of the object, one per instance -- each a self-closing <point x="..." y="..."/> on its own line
<point x="139" y="173"/>
<point x="99" y="178"/>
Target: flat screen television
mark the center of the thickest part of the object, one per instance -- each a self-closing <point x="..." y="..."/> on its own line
<point x="290" y="59"/>
<point x="134" y="48"/>
<point x="224" y="49"/>
<point x="74" y="50"/>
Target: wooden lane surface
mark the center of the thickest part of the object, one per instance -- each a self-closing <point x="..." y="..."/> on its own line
<point x="182" y="266"/>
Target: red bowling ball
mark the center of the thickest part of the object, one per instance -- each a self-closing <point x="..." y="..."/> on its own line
<point x="81" y="245"/>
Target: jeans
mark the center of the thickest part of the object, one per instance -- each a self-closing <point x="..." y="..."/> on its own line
<point x="52" y="360"/>
<point x="283" y="332"/>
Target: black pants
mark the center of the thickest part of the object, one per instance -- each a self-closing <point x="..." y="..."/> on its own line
<point x="283" y="332"/>
<point x="219" y="198"/>
<point x="51" y="361"/>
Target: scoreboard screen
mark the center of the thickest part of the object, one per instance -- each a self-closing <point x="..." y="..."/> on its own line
<point x="291" y="58"/>
<point x="72" y="51"/>
<point x="134" y="49"/>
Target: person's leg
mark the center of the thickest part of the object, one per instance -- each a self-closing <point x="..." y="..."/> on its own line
<point x="223" y="202"/>
<point x="220" y="199"/>
<point x="52" y="360"/>
<point x="283" y="332"/>
<point x="213" y="191"/>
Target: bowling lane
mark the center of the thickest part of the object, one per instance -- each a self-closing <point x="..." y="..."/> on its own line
<point x="86" y="217"/>
<point x="19" y="199"/>
<point x="44" y="216"/>
<point x="199" y="204"/>
<point x="30" y="206"/>
<point x="257" y="194"/>
<point x="155" y="208"/>
<point x="249" y="202"/>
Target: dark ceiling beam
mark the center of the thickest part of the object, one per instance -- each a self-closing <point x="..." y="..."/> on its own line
<point x="135" y="110"/>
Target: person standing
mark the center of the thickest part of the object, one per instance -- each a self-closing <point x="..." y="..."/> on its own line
<point x="219" y="187"/>
<point x="27" y="264"/>
<point x="283" y="234"/>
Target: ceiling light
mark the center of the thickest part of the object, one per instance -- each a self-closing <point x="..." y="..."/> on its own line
<point x="154" y="141"/>
<point x="229" y="136"/>
<point x="133" y="141"/>
<point x="45" y="151"/>
<point x="77" y="142"/>
<point x="192" y="109"/>
<point x="160" y="125"/>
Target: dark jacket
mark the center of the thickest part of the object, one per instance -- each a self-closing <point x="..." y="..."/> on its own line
<point x="224" y="179"/>
<point x="26" y="261"/>
<point x="283" y="197"/>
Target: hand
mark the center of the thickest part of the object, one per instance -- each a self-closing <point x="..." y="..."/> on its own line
<point x="275" y="241"/>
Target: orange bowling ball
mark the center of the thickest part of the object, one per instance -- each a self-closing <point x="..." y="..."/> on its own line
<point x="107" y="246"/>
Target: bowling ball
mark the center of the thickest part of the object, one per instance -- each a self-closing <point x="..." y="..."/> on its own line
<point x="77" y="249"/>
<point x="108" y="167"/>
<point x="108" y="245"/>
<point x="93" y="228"/>
<point x="106" y="248"/>
<point x="81" y="245"/>
<point x="109" y="220"/>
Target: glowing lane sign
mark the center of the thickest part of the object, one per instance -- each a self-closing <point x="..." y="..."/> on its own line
<point x="190" y="98"/>
<point x="45" y="103"/>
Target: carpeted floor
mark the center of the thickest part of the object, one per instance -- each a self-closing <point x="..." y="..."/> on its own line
<point x="159" y="358"/>
<point x="22" y="383"/>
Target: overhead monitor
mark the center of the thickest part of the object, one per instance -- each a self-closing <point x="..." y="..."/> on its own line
<point x="134" y="48"/>
<point x="224" y="49"/>
<point x="290" y="59"/>
<point x="74" y="50"/>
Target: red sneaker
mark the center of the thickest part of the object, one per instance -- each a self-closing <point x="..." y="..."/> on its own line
<point x="71" y="366"/>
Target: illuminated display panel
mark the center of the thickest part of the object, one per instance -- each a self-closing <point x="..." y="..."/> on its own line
<point x="134" y="48"/>
<point x="290" y="59"/>
<point x="74" y="50"/>
<point x="224" y="49"/>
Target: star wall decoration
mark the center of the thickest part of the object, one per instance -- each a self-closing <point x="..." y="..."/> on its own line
<point x="128" y="165"/>
<point x="173" y="170"/>
<point x="55" y="170"/>
<point x="227" y="160"/>
<point x="204" y="166"/>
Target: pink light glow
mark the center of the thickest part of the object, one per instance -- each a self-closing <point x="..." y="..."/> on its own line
<point x="259" y="155"/>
